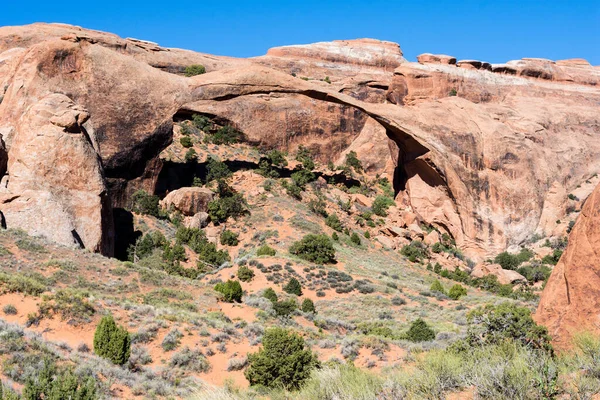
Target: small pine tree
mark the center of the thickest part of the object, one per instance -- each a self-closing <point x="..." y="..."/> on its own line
<point x="334" y="222"/>
<point x="308" y="306"/>
<point x="314" y="248"/>
<point x="419" y="331"/>
<point x="367" y="235"/>
<point x="293" y="287"/>
<point x="436" y="286"/>
<point x="111" y="341"/>
<point x="229" y="238"/>
<point x="335" y="236"/>
<point x="354" y="238"/>
<point x="270" y="294"/>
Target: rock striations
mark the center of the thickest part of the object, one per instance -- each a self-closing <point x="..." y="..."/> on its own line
<point x="478" y="150"/>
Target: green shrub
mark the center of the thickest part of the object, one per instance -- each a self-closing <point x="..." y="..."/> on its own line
<point x="229" y="238"/>
<point x="55" y="383"/>
<point x="302" y="178"/>
<point x="9" y="309"/>
<point x="201" y="122"/>
<point x="293" y="190"/>
<point x="353" y="161"/>
<point x="308" y="306"/>
<point x="335" y="236"/>
<point x="354" y="238"/>
<point x="293" y="287"/>
<point x="452" y="92"/>
<point x="144" y="203"/>
<point x="226" y="135"/>
<point x="367" y="235"/>
<point x="285" y="308"/>
<point x="334" y="222"/>
<point x="416" y="251"/>
<point x="111" y="341"/>
<point x="19" y="283"/>
<point x="223" y="208"/>
<point x="270" y="294"/>
<point x="216" y="170"/>
<point x="245" y="274"/>
<point x="318" y="206"/>
<point x="265" y="251"/>
<point x="507" y="321"/>
<point x="436" y="286"/>
<point x="305" y="157"/>
<point x="273" y="159"/>
<point x="194" y="69"/>
<point x="186" y="141"/>
<point x="512" y="261"/>
<point x="419" y="331"/>
<point x="552" y="259"/>
<point x="381" y="204"/>
<point x="314" y="248"/>
<point x="190" y="156"/>
<point x="72" y="305"/>
<point x="231" y="291"/>
<point x="456" y="292"/>
<point x="282" y="362"/>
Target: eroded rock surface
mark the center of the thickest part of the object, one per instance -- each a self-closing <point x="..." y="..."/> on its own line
<point x="570" y="302"/>
<point x="480" y="152"/>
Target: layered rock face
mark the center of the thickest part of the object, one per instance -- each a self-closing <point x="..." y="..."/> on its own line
<point x="570" y="302"/>
<point x="480" y="154"/>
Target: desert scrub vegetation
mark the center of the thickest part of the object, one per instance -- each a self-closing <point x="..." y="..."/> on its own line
<point x="231" y="291"/>
<point x="229" y="238"/>
<point x="265" y="251"/>
<point x="32" y="284"/>
<point x="112" y="341"/>
<point x="71" y="305"/>
<point x="314" y="248"/>
<point x="194" y="69"/>
<point x="191" y="360"/>
<point x="245" y="274"/>
<point x="284" y="361"/>
<point x="144" y="203"/>
<point x="416" y="251"/>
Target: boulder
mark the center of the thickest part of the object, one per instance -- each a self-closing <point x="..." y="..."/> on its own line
<point x="416" y="232"/>
<point x="385" y="241"/>
<point x="199" y="221"/>
<point x="428" y="58"/>
<point x="504" y="276"/>
<point x="431" y="238"/>
<point x="188" y="200"/>
<point x="362" y="200"/>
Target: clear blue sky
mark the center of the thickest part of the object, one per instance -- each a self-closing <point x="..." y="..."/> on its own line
<point x="494" y="31"/>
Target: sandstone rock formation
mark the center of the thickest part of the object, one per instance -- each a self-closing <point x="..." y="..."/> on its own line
<point x="570" y="302"/>
<point x="481" y="165"/>
<point x="504" y="276"/>
<point x="188" y="200"/>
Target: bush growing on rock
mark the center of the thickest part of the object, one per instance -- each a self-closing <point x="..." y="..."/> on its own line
<point x="305" y="157"/>
<point x="231" y="291"/>
<point x="416" y="251"/>
<point x="353" y="161"/>
<point x="144" y="203"/>
<point x="216" y="170"/>
<point x="226" y="135"/>
<point x="381" y="204"/>
<point x="314" y="248"/>
<point x="282" y="362"/>
<point x="190" y="156"/>
<point x="186" y="142"/>
<point x="201" y="122"/>
<point x="194" y="69"/>
<point x="293" y="287"/>
<point x="111" y="341"/>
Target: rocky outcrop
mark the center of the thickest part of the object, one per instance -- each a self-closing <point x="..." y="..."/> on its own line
<point x="504" y="276"/>
<point x="188" y="200"/>
<point x="570" y="302"/>
<point x="428" y="58"/>
<point x="480" y="155"/>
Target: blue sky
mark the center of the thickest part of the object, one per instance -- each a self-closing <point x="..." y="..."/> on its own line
<point x="494" y="31"/>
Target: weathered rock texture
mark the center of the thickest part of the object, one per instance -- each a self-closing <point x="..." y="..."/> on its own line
<point x="485" y="165"/>
<point x="188" y="200"/>
<point x="570" y="302"/>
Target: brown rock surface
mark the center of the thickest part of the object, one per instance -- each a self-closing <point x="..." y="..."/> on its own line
<point x="188" y="200"/>
<point x="505" y="276"/>
<point x="570" y="302"/>
<point x="428" y="58"/>
<point x="480" y="165"/>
